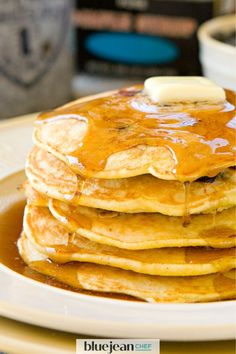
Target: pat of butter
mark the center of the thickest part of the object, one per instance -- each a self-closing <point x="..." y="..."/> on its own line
<point x="171" y="89"/>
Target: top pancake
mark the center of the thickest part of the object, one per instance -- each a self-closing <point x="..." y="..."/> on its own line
<point x="123" y="134"/>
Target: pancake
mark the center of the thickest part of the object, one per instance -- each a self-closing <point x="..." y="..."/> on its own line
<point x="142" y="230"/>
<point x="88" y="276"/>
<point x="124" y="134"/>
<point x="33" y="196"/>
<point x="145" y="231"/>
<point x="52" y="177"/>
<point x="60" y="245"/>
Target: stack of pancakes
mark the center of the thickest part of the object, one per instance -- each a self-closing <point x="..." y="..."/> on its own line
<point x="130" y="197"/>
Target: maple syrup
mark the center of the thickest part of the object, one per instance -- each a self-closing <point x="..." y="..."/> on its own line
<point x="186" y="216"/>
<point x="197" y="255"/>
<point x="200" y="136"/>
<point x="10" y="229"/>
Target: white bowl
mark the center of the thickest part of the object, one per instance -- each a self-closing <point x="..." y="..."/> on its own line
<point x="218" y="59"/>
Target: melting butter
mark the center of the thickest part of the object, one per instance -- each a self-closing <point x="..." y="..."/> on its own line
<point x="171" y="89"/>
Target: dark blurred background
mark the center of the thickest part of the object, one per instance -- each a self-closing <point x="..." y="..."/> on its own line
<point x="54" y="51"/>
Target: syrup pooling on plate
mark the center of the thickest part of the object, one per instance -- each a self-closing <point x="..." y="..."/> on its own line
<point x="9" y="255"/>
<point x="200" y="137"/>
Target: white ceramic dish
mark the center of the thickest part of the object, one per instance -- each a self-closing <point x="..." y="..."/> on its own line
<point x="218" y="59"/>
<point x="30" y="301"/>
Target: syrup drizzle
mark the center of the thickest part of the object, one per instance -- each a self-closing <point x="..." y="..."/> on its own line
<point x="214" y="218"/>
<point x="9" y="255"/>
<point x="186" y="216"/>
<point x="200" y="137"/>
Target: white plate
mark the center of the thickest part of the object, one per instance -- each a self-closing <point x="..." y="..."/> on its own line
<point x="30" y="301"/>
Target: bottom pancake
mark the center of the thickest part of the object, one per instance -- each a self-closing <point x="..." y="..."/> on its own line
<point x="93" y="277"/>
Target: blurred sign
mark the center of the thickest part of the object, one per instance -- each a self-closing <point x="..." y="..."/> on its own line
<point x="141" y="38"/>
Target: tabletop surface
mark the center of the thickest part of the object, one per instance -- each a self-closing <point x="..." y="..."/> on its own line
<point x="21" y="338"/>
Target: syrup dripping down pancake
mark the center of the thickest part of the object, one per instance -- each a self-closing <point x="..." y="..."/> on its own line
<point x="52" y="177"/>
<point x="61" y="246"/>
<point x="94" y="277"/>
<point x="145" y="231"/>
<point x="141" y="230"/>
<point x="123" y="134"/>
